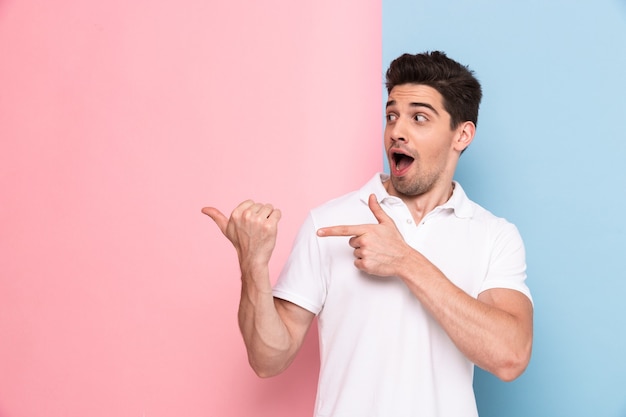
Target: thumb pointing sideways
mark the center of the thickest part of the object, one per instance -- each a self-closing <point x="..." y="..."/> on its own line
<point x="217" y="217"/>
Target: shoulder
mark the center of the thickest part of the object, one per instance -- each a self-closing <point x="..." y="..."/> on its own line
<point x="492" y="221"/>
<point x="341" y="209"/>
<point x="493" y="227"/>
<point x="466" y="208"/>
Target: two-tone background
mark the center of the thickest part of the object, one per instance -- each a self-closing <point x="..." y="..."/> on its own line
<point x="119" y="120"/>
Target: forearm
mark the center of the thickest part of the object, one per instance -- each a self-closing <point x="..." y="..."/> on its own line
<point x="268" y="341"/>
<point x="267" y="332"/>
<point x="495" y="339"/>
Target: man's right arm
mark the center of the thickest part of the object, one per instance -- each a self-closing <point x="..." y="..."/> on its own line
<point x="273" y="329"/>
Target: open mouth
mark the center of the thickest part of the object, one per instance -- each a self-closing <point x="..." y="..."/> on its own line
<point x="401" y="161"/>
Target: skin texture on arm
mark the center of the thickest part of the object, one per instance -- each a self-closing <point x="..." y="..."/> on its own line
<point x="493" y="331"/>
<point x="273" y="330"/>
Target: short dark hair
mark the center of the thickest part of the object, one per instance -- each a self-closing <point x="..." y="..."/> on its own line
<point x="456" y="83"/>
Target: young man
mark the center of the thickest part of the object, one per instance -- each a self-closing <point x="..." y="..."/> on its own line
<point x="411" y="281"/>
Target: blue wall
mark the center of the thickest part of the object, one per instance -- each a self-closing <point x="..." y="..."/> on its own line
<point x="549" y="156"/>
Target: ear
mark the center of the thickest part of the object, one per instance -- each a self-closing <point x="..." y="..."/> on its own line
<point x="465" y="135"/>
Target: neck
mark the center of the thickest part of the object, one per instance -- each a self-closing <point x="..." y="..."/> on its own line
<point x="422" y="204"/>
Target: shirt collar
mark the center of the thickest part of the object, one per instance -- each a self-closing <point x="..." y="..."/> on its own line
<point x="459" y="202"/>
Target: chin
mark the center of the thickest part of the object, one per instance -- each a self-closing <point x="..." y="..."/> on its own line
<point x="404" y="186"/>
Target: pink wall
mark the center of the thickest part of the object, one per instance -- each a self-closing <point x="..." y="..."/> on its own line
<point x="118" y="122"/>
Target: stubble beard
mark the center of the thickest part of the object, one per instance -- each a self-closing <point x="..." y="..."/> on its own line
<point x="414" y="186"/>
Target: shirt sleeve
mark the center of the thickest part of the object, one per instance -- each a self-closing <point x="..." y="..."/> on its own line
<point x="507" y="266"/>
<point x="301" y="279"/>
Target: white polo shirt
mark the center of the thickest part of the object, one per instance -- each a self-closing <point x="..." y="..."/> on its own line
<point x="381" y="353"/>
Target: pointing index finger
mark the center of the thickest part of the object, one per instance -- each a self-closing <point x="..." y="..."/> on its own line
<point x="354" y="230"/>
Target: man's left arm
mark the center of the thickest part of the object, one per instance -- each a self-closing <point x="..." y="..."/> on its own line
<point x="494" y="331"/>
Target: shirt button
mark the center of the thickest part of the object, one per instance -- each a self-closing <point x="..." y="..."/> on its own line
<point x="409" y="221"/>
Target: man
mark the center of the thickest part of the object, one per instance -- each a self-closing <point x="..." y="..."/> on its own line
<point x="411" y="281"/>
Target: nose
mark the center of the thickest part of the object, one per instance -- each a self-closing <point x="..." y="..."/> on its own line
<point x="397" y="131"/>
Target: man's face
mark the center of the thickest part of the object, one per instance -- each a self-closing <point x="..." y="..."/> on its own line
<point x="419" y="143"/>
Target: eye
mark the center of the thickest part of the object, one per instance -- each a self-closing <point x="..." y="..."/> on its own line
<point x="420" y="118"/>
<point x="391" y="117"/>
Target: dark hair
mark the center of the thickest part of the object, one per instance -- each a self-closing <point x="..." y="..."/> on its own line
<point x="456" y="83"/>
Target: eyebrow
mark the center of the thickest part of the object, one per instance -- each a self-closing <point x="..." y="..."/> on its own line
<point x="417" y="104"/>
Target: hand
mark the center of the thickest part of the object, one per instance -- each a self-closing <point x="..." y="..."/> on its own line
<point x="378" y="248"/>
<point x="252" y="229"/>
